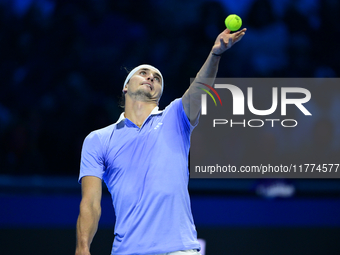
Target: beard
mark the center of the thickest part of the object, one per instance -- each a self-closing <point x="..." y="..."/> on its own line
<point x="141" y="95"/>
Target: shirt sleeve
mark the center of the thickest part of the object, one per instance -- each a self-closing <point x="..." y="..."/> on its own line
<point x="92" y="161"/>
<point x="184" y="118"/>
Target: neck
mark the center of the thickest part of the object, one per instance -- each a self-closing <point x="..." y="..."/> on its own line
<point x="138" y="111"/>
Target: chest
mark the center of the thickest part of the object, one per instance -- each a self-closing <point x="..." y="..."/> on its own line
<point x="132" y="147"/>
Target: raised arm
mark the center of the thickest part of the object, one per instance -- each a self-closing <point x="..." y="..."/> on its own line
<point x="89" y="215"/>
<point x="192" y="97"/>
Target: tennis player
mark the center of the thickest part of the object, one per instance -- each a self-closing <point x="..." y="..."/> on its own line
<point x="143" y="160"/>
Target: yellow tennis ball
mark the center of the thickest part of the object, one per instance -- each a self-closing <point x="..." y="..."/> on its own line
<point x="233" y="22"/>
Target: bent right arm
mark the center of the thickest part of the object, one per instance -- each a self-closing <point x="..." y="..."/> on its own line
<point x="89" y="214"/>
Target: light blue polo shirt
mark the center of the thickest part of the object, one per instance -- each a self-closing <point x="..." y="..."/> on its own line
<point x="146" y="172"/>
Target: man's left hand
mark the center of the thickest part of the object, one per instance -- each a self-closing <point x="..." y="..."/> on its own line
<point x="225" y="40"/>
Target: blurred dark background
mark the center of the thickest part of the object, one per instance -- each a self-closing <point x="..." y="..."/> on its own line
<point x="62" y="66"/>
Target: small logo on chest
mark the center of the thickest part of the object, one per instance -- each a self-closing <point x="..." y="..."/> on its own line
<point x="158" y="125"/>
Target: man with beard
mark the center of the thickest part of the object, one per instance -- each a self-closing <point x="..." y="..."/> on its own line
<point x="143" y="159"/>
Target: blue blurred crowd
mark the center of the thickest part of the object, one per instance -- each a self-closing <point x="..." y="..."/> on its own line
<point x="63" y="64"/>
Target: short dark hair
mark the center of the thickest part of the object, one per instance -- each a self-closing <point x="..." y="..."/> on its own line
<point x="122" y="98"/>
<point x="122" y="101"/>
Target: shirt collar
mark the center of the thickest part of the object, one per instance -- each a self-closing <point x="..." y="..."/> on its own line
<point x="155" y="111"/>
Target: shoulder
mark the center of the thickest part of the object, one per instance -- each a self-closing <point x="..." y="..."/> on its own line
<point x="100" y="135"/>
<point x="175" y="110"/>
<point x="175" y="104"/>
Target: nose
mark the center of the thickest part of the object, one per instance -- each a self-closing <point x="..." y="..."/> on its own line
<point x="150" y="77"/>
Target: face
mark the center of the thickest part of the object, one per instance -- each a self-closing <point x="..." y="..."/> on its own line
<point x="145" y="85"/>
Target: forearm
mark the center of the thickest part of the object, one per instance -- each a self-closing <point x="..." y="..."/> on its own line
<point x="192" y="97"/>
<point x="206" y="74"/>
<point x="209" y="68"/>
<point x="87" y="226"/>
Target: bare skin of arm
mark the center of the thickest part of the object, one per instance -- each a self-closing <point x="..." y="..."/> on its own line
<point x="89" y="215"/>
<point x="191" y="99"/>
